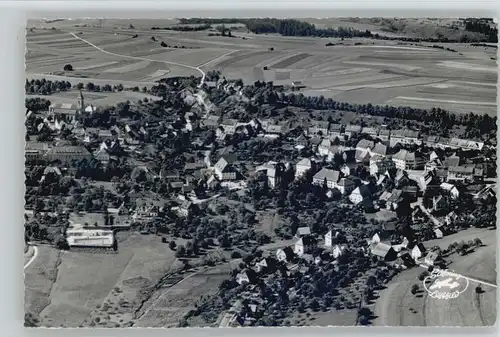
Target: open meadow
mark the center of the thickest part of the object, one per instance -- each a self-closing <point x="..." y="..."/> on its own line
<point x="358" y="71"/>
<point x="68" y="289"/>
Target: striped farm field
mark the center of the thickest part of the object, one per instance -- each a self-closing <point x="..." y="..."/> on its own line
<point x="370" y="71"/>
<point x="289" y="61"/>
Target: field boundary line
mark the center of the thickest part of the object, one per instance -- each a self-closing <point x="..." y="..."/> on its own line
<point x="218" y="57"/>
<point x="142" y="58"/>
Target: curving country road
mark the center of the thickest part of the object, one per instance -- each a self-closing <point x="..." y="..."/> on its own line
<point x="33" y="257"/>
<point x="145" y="58"/>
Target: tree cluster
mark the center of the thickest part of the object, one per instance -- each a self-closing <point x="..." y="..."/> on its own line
<point x="45" y="87"/>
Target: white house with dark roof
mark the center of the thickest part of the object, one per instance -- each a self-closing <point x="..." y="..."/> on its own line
<point x="302" y="231"/>
<point x="359" y="194"/>
<point x="384" y="134"/>
<point x="405" y="160"/>
<point x="305" y="245"/>
<point x="379" y="149"/>
<point x="329" y="236"/>
<point x="332" y="177"/>
<point x="335" y="131"/>
<point x="319" y="128"/>
<point x="351" y="130"/>
<point x="285" y="254"/>
<point x="224" y="169"/>
<point x="460" y="173"/>
<point x="324" y="147"/>
<point x="370" y="131"/>
<point x="380" y="165"/>
<point x="302" y="167"/>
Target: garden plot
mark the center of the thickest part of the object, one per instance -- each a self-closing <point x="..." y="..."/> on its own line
<point x="174" y="302"/>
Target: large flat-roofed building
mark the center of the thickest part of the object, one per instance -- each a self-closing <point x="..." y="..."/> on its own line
<point x="89" y="238"/>
<point x="67" y="153"/>
<point x="35" y="151"/>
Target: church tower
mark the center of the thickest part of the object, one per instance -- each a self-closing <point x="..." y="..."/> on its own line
<point x="80" y="102"/>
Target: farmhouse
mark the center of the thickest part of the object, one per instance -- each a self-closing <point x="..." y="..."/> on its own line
<point x="330" y="176"/>
<point x="319" y="128"/>
<point x="329" y="236"/>
<point x="224" y="170"/>
<point x="370" y="132"/>
<point x="186" y="208"/>
<point x="35" y="150"/>
<point x="351" y="130"/>
<point x="335" y="131"/>
<point x="379" y="149"/>
<point x="324" y="147"/>
<point x="451" y="189"/>
<point x="405" y="160"/>
<point x="380" y="165"/>
<point x="451" y="161"/>
<point x="333" y="180"/>
<point x="338" y="250"/>
<point x="384" y="251"/>
<point x="404" y="136"/>
<point x="305" y="245"/>
<point x="302" y="231"/>
<point x="417" y="251"/>
<point x="302" y="167"/>
<point x="384" y="134"/>
<point x="460" y="173"/>
<point x="438" y="233"/>
<point x="247" y="276"/>
<point x="285" y="254"/>
<point x="266" y="265"/>
<point x="392" y="199"/>
<point x="359" y="194"/>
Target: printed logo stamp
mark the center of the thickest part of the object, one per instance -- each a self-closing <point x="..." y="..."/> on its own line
<point x="445" y="285"/>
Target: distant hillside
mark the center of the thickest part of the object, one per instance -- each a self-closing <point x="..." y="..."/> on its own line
<point x="459" y="30"/>
<point x="411" y="29"/>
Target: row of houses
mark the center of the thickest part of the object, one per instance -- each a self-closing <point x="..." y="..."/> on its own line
<point x="393" y="137"/>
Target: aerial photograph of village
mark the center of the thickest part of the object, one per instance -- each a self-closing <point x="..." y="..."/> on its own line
<point x="244" y="172"/>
